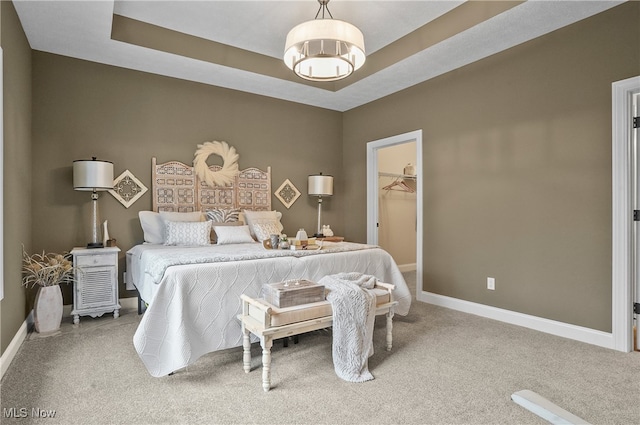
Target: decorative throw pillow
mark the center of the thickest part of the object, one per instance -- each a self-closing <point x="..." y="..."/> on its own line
<point x="265" y="230"/>
<point x="254" y="218"/>
<point x="187" y="233"/>
<point x="214" y="226"/>
<point x="233" y="234"/>
<point x="152" y="227"/>
<point x="221" y="215"/>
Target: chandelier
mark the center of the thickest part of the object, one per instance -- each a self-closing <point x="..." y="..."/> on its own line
<point x="324" y="49"/>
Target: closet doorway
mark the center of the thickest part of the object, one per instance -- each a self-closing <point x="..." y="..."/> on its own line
<point x="625" y="242"/>
<point x="635" y="237"/>
<point x="397" y="218"/>
<point x="394" y="199"/>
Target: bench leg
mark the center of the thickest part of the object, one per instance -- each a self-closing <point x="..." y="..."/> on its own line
<point x="266" y="343"/>
<point x="389" y="329"/>
<point x="246" y="355"/>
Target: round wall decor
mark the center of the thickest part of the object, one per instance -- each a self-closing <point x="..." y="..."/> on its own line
<point x="229" y="168"/>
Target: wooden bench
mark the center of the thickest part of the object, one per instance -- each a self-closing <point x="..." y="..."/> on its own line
<point x="269" y="323"/>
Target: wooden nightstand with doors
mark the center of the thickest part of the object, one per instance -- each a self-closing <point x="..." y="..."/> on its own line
<point x="95" y="290"/>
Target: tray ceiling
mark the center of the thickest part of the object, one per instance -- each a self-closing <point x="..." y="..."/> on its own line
<point x="238" y="44"/>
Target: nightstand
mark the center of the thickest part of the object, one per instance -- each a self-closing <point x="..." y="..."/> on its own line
<point x="95" y="290"/>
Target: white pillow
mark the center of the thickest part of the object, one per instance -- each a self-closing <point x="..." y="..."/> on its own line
<point x="265" y="230"/>
<point x="181" y="216"/>
<point x="187" y="233"/>
<point x="254" y="218"/>
<point x="214" y="226"/>
<point x="233" y="234"/>
<point x="153" y="223"/>
<point x="152" y="226"/>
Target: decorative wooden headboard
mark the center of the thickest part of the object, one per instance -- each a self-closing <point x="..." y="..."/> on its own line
<point x="176" y="187"/>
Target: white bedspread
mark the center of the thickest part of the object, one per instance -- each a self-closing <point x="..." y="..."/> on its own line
<point x="193" y="309"/>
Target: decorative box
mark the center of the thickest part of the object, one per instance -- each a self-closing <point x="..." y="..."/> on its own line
<point x="292" y="292"/>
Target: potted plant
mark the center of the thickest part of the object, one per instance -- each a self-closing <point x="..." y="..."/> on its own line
<point x="47" y="271"/>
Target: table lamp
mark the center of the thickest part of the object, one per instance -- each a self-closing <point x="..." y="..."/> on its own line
<point x="93" y="175"/>
<point x="320" y="185"/>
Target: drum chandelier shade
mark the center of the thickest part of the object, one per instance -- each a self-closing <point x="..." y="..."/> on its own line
<point x="319" y="185"/>
<point x="324" y="49"/>
<point x="92" y="174"/>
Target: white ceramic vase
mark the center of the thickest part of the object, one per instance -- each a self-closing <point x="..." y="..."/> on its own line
<point x="301" y="235"/>
<point x="47" y="310"/>
<point x="105" y="233"/>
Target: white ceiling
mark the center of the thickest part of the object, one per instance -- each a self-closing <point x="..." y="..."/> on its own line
<point x="82" y="29"/>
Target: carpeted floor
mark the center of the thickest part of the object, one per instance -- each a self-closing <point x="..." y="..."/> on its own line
<point x="446" y="367"/>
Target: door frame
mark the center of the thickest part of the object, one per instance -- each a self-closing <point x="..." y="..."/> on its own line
<point x="622" y="220"/>
<point x="373" y="191"/>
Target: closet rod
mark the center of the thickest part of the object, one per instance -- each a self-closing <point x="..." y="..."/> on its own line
<point x="404" y="176"/>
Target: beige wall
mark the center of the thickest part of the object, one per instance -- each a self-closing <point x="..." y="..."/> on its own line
<point x="516" y="155"/>
<point x="16" y="169"/>
<point x="396" y="209"/>
<point x="517" y="169"/>
<point x="83" y="109"/>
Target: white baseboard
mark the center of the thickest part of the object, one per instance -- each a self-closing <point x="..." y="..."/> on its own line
<point x="407" y="267"/>
<point x="565" y="330"/>
<point x="21" y="335"/>
<point x="131" y="302"/>
<point x="14" y="345"/>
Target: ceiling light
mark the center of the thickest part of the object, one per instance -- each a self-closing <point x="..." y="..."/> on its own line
<point x="324" y="49"/>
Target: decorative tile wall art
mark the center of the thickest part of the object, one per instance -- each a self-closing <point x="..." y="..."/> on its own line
<point x="127" y="188"/>
<point x="287" y="193"/>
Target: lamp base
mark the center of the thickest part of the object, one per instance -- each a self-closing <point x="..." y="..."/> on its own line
<point x="318" y="235"/>
<point x="91" y="245"/>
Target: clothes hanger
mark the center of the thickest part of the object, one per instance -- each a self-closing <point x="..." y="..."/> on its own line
<point x="399" y="185"/>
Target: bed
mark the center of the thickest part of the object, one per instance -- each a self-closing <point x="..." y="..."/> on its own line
<point x="193" y="292"/>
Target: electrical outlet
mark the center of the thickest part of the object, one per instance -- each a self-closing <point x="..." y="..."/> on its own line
<point x="491" y="283"/>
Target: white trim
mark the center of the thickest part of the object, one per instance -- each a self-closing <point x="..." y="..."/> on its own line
<point x="131" y="302"/>
<point x="11" y="351"/>
<point x="1" y="178"/>
<point x="407" y="267"/>
<point x="621" y="261"/>
<point x="565" y="330"/>
<point x="547" y="410"/>
<point x="372" y="192"/>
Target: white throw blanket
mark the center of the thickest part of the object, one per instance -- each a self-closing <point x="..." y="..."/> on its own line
<point x="354" y="312"/>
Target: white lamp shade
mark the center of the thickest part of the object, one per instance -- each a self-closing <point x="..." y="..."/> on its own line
<point x="324" y="49"/>
<point x="320" y="185"/>
<point x="92" y="174"/>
